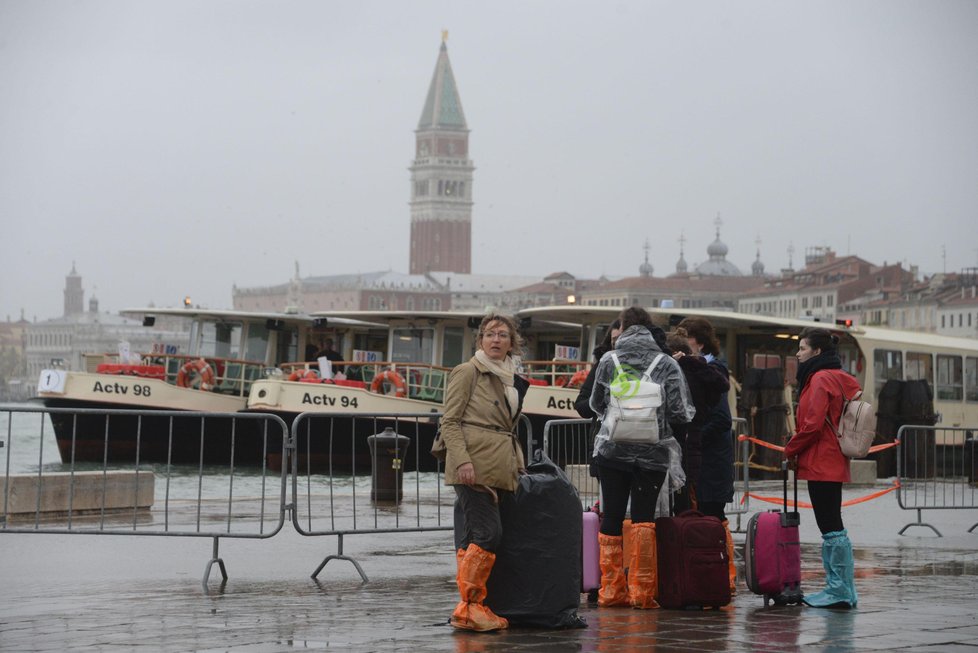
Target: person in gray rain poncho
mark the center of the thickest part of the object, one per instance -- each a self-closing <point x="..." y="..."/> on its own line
<point x="635" y="467"/>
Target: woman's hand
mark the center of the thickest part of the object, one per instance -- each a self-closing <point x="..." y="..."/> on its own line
<point x="793" y="463"/>
<point x="465" y="474"/>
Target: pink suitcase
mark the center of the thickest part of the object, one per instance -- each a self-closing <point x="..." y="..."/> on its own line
<point x="773" y="553"/>
<point x="591" y="567"/>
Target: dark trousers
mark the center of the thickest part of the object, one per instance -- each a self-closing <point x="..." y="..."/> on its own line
<point x="826" y="498"/>
<point x="483" y="523"/>
<point x="617" y="485"/>
<point x="712" y="509"/>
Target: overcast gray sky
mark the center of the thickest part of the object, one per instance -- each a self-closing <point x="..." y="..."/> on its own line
<point x="175" y="148"/>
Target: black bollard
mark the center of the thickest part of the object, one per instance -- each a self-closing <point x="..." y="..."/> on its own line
<point x="387" y="453"/>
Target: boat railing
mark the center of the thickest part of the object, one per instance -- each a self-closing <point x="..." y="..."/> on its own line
<point x="231" y="376"/>
<point x="557" y="372"/>
<point x="411" y="380"/>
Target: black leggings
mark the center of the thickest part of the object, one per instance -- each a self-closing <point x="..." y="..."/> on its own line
<point x="826" y="499"/>
<point x="616" y="486"/>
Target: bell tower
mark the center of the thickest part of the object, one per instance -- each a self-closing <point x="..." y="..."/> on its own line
<point x="441" y="179"/>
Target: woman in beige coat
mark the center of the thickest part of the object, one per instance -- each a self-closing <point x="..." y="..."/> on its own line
<point x="483" y="458"/>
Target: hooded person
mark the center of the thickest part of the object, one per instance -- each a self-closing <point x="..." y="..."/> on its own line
<point x="814" y="452"/>
<point x="635" y="468"/>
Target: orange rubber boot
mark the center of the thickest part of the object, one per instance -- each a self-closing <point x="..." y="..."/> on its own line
<point x="730" y="557"/>
<point x="643" y="573"/>
<point x="613" y="590"/>
<point x="473" y="573"/>
<point x="458" y="561"/>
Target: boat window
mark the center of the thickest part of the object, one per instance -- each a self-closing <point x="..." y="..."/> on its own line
<point x="920" y="366"/>
<point x="887" y="364"/>
<point x="412" y="345"/>
<point x="257" y="343"/>
<point x="451" y="351"/>
<point x="971" y="378"/>
<point x="950" y="384"/>
<point x="287" y="348"/>
<point x="215" y="339"/>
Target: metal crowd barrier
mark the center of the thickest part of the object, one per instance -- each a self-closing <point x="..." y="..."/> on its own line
<point x="150" y="473"/>
<point x="355" y="474"/>
<point x="216" y="475"/>
<point x="570" y="442"/>
<point x="937" y="469"/>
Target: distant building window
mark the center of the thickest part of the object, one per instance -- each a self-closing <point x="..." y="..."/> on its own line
<point x="804" y="302"/>
<point x="829" y="300"/>
<point x="943" y="325"/>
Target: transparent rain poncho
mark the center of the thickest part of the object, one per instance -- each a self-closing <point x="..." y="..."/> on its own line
<point x="636" y="349"/>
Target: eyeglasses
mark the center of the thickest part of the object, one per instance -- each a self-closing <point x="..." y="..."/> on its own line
<point x="502" y="335"/>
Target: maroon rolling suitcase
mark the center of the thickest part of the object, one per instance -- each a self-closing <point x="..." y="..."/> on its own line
<point x="693" y="562"/>
<point x="772" y="553"/>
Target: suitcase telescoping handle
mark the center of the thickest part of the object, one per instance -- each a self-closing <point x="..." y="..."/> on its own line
<point x="789" y="518"/>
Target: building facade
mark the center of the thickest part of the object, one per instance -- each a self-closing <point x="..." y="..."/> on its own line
<point x="64" y="341"/>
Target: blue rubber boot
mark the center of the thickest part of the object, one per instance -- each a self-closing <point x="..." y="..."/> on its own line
<point x="840" y="591"/>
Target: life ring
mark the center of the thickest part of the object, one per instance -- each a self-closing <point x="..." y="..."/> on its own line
<point x="578" y="379"/>
<point x="305" y="376"/>
<point x="190" y="372"/>
<point x="392" y="377"/>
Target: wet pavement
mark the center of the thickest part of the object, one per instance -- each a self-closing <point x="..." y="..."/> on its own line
<point x="917" y="592"/>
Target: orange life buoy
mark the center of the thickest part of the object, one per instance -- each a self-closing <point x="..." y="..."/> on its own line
<point x="392" y="377"/>
<point x="192" y="370"/>
<point x="304" y="376"/>
<point x="578" y="379"/>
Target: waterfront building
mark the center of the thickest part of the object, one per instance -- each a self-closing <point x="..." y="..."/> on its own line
<point x="348" y="292"/>
<point x="715" y="283"/>
<point x="13" y="367"/>
<point x="829" y="287"/>
<point x="944" y="303"/>
<point x="64" y="341"/>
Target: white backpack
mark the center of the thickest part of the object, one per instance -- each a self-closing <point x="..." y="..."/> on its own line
<point x="857" y="425"/>
<point x="632" y="414"/>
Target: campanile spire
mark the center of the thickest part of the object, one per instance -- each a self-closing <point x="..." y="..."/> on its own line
<point x="441" y="179"/>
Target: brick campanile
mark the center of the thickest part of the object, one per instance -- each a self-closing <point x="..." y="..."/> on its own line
<point x="441" y="180"/>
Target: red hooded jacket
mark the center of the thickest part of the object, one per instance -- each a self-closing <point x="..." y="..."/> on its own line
<point x="814" y="442"/>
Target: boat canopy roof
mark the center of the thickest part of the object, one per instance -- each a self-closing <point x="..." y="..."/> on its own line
<point x="731" y="319"/>
<point x="225" y="315"/>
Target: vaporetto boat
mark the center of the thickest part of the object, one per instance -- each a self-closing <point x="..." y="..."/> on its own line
<point x="211" y="371"/>
<point x="398" y="363"/>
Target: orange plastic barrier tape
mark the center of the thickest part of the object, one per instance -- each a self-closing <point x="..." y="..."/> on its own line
<point x="769" y="445"/>
<point x="801" y="504"/>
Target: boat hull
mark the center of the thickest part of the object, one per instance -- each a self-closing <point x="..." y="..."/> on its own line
<point x="328" y="443"/>
<point x="146" y="436"/>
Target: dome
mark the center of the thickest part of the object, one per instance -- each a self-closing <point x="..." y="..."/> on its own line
<point x="718" y="268"/>
<point x="681" y="266"/>
<point x="757" y="268"/>
<point x="718" y="265"/>
<point x="645" y="269"/>
<point x="717" y="248"/>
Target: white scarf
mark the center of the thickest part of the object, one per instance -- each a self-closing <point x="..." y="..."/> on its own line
<point x="504" y="369"/>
